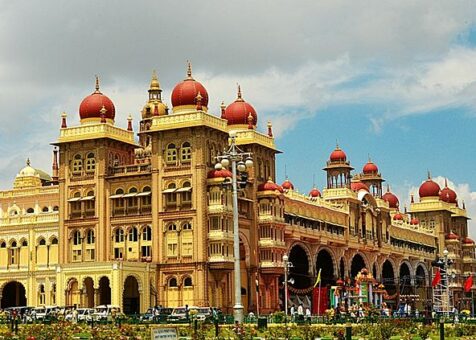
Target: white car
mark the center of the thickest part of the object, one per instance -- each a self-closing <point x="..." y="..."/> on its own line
<point x="41" y="312"/>
<point x="199" y="313"/>
<point x="104" y="312"/>
<point x="84" y="314"/>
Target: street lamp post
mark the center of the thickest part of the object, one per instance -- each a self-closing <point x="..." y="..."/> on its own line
<point x="446" y="263"/>
<point x="240" y="161"/>
<point x="287" y="265"/>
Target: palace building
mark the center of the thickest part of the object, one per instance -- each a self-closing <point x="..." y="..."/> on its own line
<point x="146" y="221"/>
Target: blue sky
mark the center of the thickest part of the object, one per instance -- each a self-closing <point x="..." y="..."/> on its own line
<point x="393" y="80"/>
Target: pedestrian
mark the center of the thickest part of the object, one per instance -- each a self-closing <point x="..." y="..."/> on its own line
<point x="187" y="313"/>
<point x="300" y="312"/>
<point x="293" y="311"/>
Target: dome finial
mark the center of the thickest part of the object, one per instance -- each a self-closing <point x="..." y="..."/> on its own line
<point x="337" y="145"/>
<point x="429" y="174"/>
<point x="446" y="182"/>
<point x="270" y="129"/>
<point x="388" y="187"/>
<point x="250" y="121"/>
<point x="154" y="82"/>
<point x="198" y="100"/>
<point x="189" y="69"/>
<point x="63" y="120"/>
<point x="129" y="123"/>
<point x="239" y="92"/>
<point x="28" y="161"/>
<point x="97" y="84"/>
<point x="285" y="172"/>
<point x="370" y="160"/>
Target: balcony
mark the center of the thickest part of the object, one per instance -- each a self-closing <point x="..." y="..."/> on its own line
<point x="468" y="260"/>
<point x="221" y="262"/>
<point x="217" y="235"/>
<point x="219" y="209"/>
<point x="130" y="169"/>
<point x="271" y="267"/>
<point x="270" y="219"/>
<point x="270" y="243"/>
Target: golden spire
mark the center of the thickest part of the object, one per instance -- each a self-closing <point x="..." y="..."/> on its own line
<point x="446" y="182"/>
<point x="154" y="83"/>
<point x="97" y="84"/>
<point x="28" y="161"/>
<point x="189" y="70"/>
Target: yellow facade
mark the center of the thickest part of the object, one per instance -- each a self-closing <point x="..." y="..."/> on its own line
<point x="138" y="224"/>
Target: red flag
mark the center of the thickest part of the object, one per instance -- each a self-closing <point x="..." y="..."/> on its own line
<point x="468" y="284"/>
<point x="436" y="279"/>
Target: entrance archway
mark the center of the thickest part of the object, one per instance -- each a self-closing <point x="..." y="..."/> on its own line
<point x="72" y="293"/>
<point x="131" y="296"/>
<point x="104" y="291"/>
<point x="405" y="279"/>
<point x="388" y="277"/>
<point x="89" y="290"/>
<point x="300" y="270"/>
<point x="325" y="263"/>
<point x="13" y="295"/>
<point x="358" y="264"/>
<point x="342" y="268"/>
<point x="420" y="279"/>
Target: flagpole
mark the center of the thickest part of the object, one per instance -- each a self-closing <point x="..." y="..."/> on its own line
<point x="257" y="294"/>
<point x="319" y="301"/>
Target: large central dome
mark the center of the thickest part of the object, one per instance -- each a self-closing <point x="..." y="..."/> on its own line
<point x="240" y="112"/>
<point x="184" y="94"/>
<point x="92" y="105"/>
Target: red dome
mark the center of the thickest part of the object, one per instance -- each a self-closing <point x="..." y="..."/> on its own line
<point x="287" y="185"/>
<point x="91" y="106"/>
<point x="185" y="92"/>
<point x="398" y="217"/>
<point x="467" y="240"/>
<point x="268" y="186"/>
<point x="414" y="221"/>
<point x="239" y="111"/>
<point x="370" y="168"/>
<point x="429" y="189"/>
<point x="314" y="193"/>
<point x="338" y="155"/>
<point x="452" y="236"/>
<point x="280" y="189"/>
<point x="356" y="186"/>
<point x="222" y="173"/>
<point x="391" y="198"/>
<point x="448" y="195"/>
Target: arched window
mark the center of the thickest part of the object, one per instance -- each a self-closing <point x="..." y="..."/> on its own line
<point x="187" y="226"/>
<point x="119" y="235"/>
<point x="171" y="196"/>
<point x="172" y="227"/>
<point x="186" y="192"/>
<point x="54" y="240"/>
<point x="133" y="234"/>
<point x="186" y="153"/>
<point x="3" y="244"/>
<point x="30" y="211"/>
<point x="90" y="162"/>
<point x="172" y="240"/>
<point x="146" y="199"/>
<point x="42" y="242"/>
<point x="146" y="234"/>
<point x="55" y="208"/>
<point x="77" y="238"/>
<point x="171" y="154"/>
<point x="45" y="209"/>
<point x="77" y="165"/>
<point x="187" y="282"/>
<point x="89" y="204"/>
<point x="24" y="243"/>
<point x="90" y="239"/>
<point x="173" y="282"/>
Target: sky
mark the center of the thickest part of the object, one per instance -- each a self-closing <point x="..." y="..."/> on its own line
<point x="391" y="80"/>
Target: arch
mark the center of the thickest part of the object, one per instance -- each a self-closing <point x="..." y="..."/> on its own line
<point x="172" y="282"/>
<point x="53" y="239"/>
<point x="357" y="264"/>
<point x="325" y="262"/>
<point x="342" y="269"/>
<point x="13" y="295"/>
<point x="375" y="270"/>
<point x="88" y="286"/>
<point x="41" y="241"/>
<point x="132" y="190"/>
<point x="245" y="249"/>
<point x="421" y="274"/>
<point x="30" y="211"/>
<point x="146" y="233"/>
<point x="45" y="209"/>
<point x="187" y="281"/>
<point x="73" y="296"/>
<point x="131" y="295"/>
<point x="104" y="291"/>
<point x="388" y="276"/>
<point x="405" y="278"/>
<point x="300" y="269"/>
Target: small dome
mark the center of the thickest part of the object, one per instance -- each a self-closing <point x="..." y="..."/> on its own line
<point x="238" y="112"/>
<point x="338" y="155"/>
<point x="414" y="221"/>
<point x="222" y="173"/>
<point x="398" y="217"/>
<point x="429" y="188"/>
<point x="287" y="185"/>
<point x="448" y="195"/>
<point x="452" y="236"/>
<point x="356" y="186"/>
<point x="185" y="92"/>
<point x="391" y="198"/>
<point x="370" y="168"/>
<point x="268" y="186"/>
<point x="28" y="171"/>
<point x="467" y="240"/>
<point x="280" y="189"/>
<point x="154" y="109"/>
<point x="314" y="193"/>
<point x="92" y="105"/>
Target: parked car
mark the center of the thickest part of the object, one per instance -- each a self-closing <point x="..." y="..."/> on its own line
<point x="104" y="312"/>
<point x="42" y="312"/>
<point x="84" y="314"/>
<point x="199" y="313"/>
